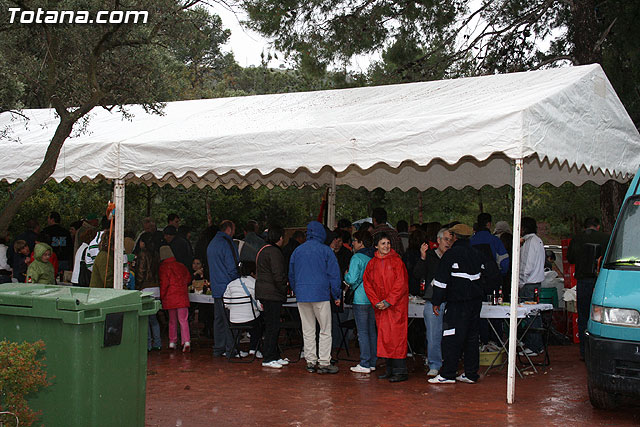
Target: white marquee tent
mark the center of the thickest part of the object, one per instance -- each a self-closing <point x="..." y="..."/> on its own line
<point x="558" y="125"/>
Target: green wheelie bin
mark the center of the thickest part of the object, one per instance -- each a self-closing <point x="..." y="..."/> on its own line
<point x="96" y="350"/>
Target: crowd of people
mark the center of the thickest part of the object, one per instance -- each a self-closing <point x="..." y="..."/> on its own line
<point x="453" y="267"/>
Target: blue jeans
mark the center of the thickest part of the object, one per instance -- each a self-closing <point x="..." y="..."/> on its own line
<point x="367" y="334"/>
<point x="153" y="337"/>
<point x="433" y="324"/>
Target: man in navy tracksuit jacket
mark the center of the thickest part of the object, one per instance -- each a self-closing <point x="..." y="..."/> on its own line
<point x="458" y="282"/>
<point x="314" y="276"/>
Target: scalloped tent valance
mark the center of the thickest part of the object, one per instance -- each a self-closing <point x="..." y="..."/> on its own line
<point x="567" y="123"/>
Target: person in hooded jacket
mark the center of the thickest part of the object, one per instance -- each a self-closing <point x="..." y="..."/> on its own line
<point x="174" y="282"/>
<point x="387" y="286"/>
<point x="271" y="290"/>
<point x="41" y="270"/>
<point x="314" y="276"/>
<point x="363" y="311"/>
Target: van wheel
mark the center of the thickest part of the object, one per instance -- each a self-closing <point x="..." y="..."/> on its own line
<point x="601" y="399"/>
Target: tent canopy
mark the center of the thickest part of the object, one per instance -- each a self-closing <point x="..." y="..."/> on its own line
<point x="567" y="123"/>
<point x="557" y="125"/>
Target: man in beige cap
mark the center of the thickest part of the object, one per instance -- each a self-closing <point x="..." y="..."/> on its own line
<point x="458" y="282"/>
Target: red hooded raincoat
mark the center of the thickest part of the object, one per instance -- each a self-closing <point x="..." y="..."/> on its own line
<point x="385" y="279"/>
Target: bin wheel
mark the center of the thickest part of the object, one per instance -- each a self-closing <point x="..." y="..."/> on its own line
<point x="601" y="399"/>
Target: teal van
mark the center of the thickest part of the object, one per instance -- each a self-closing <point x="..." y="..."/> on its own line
<point x="613" y="332"/>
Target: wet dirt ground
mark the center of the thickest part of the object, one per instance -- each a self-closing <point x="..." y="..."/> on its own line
<point x="196" y="389"/>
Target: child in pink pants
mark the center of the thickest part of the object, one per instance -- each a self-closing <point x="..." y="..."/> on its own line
<point x="174" y="281"/>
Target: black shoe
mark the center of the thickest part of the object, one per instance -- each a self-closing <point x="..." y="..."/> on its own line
<point x="329" y="369"/>
<point x="384" y="376"/>
<point x="311" y="367"/>
<point x="396" y="378"/>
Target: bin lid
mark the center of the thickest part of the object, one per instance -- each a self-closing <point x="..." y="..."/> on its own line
<point x="45" y="300"/>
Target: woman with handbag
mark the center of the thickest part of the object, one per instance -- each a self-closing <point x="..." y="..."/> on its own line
<point x="363" y="311"/>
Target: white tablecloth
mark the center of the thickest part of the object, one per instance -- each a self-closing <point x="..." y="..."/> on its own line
<point x="201" y="298"/>
<point x="193" y="297"/>
<point x="490" y="311"/>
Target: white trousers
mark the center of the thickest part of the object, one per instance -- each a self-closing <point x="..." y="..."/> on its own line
<point x="310" y="312"/>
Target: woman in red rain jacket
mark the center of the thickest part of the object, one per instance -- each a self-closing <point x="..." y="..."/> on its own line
<point x="387" y="286"/>
<point x="174" y="294"/>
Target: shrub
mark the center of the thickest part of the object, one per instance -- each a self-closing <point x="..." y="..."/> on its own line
<point x="21" y="373"/>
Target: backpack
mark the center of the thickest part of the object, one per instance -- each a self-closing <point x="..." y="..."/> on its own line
<point x="84" y="277"/>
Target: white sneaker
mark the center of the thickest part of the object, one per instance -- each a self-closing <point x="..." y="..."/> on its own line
<point x="243" y="353"/>
<point x="360" y="369"/>
<point x="257" y="353"/>
<point x="172" y="345"/>
<point x="373" y="368"/>
<point x="528" y="352"/>
<point x="273" y="364"/>
<point x="432" y="373"/>
<point x="283" y="362"/>
<point x="463" y="378"/>
<point x="440" y="380"/>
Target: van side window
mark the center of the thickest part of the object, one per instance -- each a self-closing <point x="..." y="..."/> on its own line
<point x="624" y="250"/>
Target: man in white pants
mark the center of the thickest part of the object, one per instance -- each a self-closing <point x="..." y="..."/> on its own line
<point x="314" y="276"/>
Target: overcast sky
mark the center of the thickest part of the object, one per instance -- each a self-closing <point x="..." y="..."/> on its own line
<point x="247" y="45"/>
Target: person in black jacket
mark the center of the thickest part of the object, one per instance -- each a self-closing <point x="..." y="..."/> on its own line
<point x="180" y="246"/>
<point x="458" y="280"/>
<point x="271" y="291"/>
<point x="295" y="240"/>
<point x="584" y="251"/>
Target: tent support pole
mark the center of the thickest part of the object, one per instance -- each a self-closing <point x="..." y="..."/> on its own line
<point x="515" y="274"/>
<point x="118" y="247"/>
<point x="331" y="203"/>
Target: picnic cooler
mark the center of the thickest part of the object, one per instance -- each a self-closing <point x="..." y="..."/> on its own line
<point x="96" y="350"/>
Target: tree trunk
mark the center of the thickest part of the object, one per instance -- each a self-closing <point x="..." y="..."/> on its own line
<point x="35" y="181"/>
<point x="207" y="205"/>
<point x="420" y="220"/>
<point x="149" y="196"/>
<point x="611" y="198"/>
<point x="584" y="32"/>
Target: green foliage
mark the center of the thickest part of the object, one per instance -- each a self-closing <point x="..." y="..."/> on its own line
<point x="21" y="374"/>
<point x="72" y="200"/>
<point x="563" y="208"/>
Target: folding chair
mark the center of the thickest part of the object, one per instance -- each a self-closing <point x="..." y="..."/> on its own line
<point x="292" y="325"/>
<point x="545" y="330"/>
<point x="238" y="328"/>
<point x="344" y="326"/>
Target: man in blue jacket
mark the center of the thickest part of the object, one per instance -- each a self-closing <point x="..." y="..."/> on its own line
<point x="222" y="257"/>
<point x="314" y="276"/>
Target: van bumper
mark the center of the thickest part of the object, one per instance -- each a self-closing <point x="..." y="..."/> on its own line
<point x="613" y="365"/>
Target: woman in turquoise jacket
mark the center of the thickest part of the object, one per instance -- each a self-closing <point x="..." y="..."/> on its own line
<point x="362" y="309"/>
